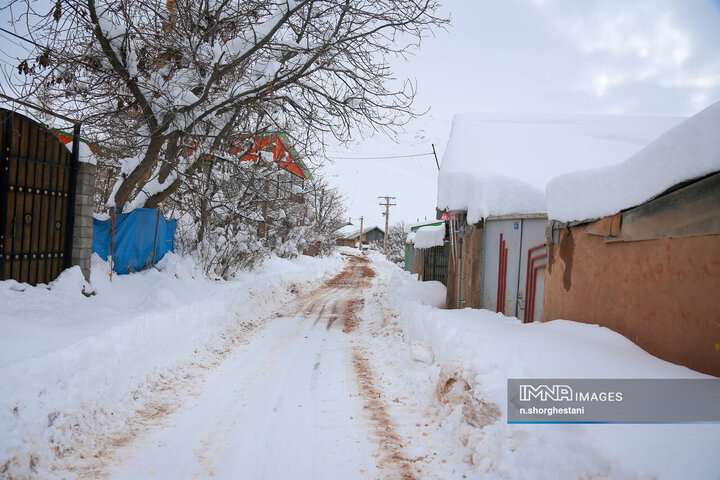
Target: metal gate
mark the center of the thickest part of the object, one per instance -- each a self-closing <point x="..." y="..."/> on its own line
<point x="435" y="263"/>
<point x="37" y="180"/>
<point x="513" y="249"/>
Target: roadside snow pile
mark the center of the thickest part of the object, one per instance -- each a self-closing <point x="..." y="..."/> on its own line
<point x="688" y="151"/>
<point x="478" y="350"/>
<point x="498" y="164"/>
<point x="430" y="236"/>
<point x="72" y="366"/>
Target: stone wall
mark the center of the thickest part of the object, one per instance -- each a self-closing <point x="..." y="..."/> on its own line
<point x="83" y="221"/>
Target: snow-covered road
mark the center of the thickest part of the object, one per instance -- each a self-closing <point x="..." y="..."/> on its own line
<point x="297" y="400"/>
<point x="279" y="376"/>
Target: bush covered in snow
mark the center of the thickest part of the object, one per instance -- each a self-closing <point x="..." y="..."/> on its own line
<point x="235" y="216"/>
<point x="396" y="243"/>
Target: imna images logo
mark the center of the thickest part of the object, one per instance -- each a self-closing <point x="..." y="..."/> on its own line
<point x="555" y="393"/>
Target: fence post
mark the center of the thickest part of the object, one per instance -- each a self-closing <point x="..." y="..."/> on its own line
<point x="112" y="241"/>
<point x="157" y="224"/>
<point x="74" y="167"/>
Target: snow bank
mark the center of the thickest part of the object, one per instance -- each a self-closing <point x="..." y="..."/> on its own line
<point x="430" y="236"/>
<point x="689" y="150"/>
<point x="487" y="348"/>
<point x="498" y="164"/>
<point x="77" y="361"/>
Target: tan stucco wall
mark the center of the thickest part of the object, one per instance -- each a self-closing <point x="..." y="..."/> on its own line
<point x="344" y="242"/>
<point x="662" y="294"/>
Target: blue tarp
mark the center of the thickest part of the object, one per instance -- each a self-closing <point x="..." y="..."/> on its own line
<point x="137" y="235"/>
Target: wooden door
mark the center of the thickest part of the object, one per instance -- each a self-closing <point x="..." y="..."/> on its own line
<point x="37" y="178"/>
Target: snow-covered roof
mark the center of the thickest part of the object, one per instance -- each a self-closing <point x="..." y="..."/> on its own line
<point x="416" y="225"/>
<point x="347" y="229"/>
<point x="85" y="152"/>
<point x="430" y="236"/>
<point x="499" y="164"/>
<point x="352" y="231"/>
<point x="85" y="155"/>
<point x="687" y="151"/>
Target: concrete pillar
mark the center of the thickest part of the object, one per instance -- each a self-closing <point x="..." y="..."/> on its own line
<point x="83" y="221"/>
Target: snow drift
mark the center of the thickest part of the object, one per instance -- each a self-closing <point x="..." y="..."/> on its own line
<point x="479" y="350"/>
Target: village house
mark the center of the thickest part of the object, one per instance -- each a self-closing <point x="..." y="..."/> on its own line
<point x="635" y="247"/>
<point x="274" y="150"/>
<point x="491" y="190"/>
<point x="371" y="236"/>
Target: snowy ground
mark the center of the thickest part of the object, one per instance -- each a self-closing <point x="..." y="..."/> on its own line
<point x="74" y="369"/>
<point x="316" y="368"/>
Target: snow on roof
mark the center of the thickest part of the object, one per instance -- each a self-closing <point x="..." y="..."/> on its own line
<point x="85" y="155"/>
<point x="414" y="226"/>
<point x="499" y="164"/>
<point x="351" y="231"/>
<point x="347" y="229"/>
<point x="689" y="150"/>
<point x="430" y="236"/>
<point x="410" y="238"/>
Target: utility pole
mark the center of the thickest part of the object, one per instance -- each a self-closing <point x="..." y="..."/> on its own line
<point x="387" y="206"/>
<point x="361" y="225"/>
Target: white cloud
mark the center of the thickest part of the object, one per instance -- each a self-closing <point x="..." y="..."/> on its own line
<point x="570" y="56"/>
<point x="647" y="37"/>
<point x="653" y="43"/>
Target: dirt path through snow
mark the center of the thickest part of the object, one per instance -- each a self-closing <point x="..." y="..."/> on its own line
<point x="297" y="400"/>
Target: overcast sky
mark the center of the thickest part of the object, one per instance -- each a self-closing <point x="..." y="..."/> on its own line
<point x="636" y="57"/>
<point x="642" y="57"/>
<point x="571" y="56"/>
<point x="566" y="56"/>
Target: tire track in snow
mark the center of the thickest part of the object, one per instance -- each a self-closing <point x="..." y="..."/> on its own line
<point x="274" y="409"/>
<point x="392" y="460"/>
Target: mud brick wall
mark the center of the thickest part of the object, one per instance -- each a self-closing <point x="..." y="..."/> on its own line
<point x="662" y="294"/>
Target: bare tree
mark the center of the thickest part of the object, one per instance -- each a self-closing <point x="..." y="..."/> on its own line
<point x="325" y="215"/>
<point x="164" y="84"/>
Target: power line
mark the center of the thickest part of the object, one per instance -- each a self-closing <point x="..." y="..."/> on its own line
<point x="22" y="38"/>
<point x="381" y="158"/>
<point x="41" y="109"/>
<point x="10" y="40"/>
